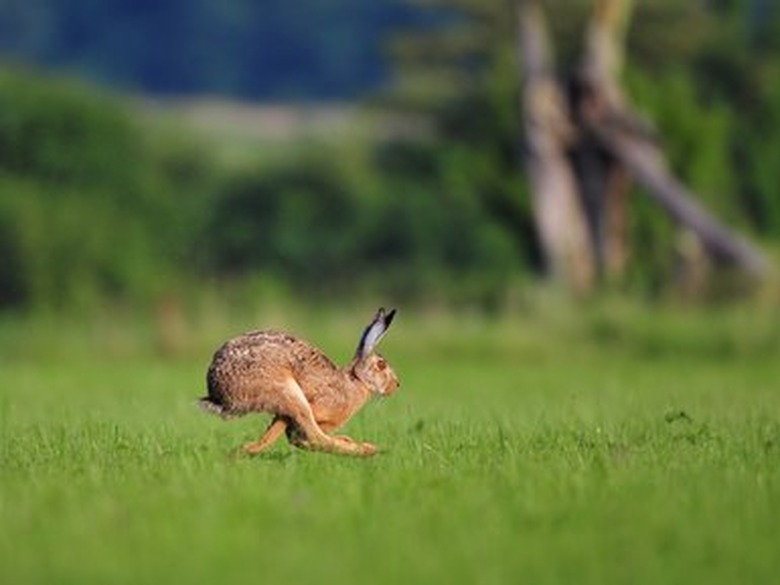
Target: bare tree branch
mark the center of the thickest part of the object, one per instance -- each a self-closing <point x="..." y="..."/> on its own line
<point x="646" y="163"/>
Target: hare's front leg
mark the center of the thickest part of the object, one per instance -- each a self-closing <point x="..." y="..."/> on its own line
<point x="360" y="448"/>
<point x="308" y="434"/>
<point x="274" y="431"/>
<point x="364" y="449"/>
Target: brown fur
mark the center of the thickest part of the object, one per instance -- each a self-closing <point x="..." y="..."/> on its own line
<point x="309" y="396"/>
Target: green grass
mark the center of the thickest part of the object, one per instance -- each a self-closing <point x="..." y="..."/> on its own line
<point x="514" y="452"/>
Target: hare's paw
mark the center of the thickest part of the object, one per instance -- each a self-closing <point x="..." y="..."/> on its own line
<point x="349" y="446"/>
<point x="368" y="449"/>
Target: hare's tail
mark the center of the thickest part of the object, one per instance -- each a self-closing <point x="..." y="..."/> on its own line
<point x="207" y="404"/>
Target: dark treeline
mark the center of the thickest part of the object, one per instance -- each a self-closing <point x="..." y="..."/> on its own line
<point x="273" y="49"/>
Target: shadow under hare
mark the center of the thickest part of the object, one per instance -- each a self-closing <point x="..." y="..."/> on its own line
<point x="309" y="396"/>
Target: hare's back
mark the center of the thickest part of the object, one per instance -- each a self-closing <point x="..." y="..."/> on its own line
<point x="253" y="352"/>
<point x="255" y="361"/>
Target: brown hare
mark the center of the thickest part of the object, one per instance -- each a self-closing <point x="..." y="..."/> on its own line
<point x="309" y="396"/>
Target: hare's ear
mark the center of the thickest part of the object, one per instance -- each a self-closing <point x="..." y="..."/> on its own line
<point x="374" y="332"/>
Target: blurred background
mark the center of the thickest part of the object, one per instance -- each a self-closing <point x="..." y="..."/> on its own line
<point x="171" y="158"/>
<point x="573" y="204"/>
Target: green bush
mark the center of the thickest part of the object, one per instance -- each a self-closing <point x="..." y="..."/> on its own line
<point x="64" y="133"/>
<point x="63" y="247"/>
<point x="328" y="230"/>
<point x="91" y="208"/>
<point x="88" y="209"/>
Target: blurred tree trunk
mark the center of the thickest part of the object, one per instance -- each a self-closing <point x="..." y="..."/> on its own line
<point x="582" y="158"/>
<point x="560" y="223"/>
<point x="605" y="182"/>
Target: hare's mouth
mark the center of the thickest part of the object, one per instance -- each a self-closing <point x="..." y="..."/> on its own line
<point x="390" y="388"/>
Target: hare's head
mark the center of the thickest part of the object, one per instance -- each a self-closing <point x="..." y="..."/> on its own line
<point x="370" y="367"/>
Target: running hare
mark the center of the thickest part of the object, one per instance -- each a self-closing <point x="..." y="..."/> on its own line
<point x="310" y="397"/>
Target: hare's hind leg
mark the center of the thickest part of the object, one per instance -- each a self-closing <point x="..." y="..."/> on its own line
<point x="274" y="431"/>
<point x="308" y="433"/>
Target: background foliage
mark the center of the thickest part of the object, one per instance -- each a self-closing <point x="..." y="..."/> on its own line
<point x="98" y="203"/>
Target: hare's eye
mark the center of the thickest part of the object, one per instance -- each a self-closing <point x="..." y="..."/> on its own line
<point x="381" y="364"/>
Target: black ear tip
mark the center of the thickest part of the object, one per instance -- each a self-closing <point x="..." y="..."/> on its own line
<point x="389" y="317"/>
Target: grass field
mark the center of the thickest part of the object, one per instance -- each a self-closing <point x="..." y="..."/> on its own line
<point x="635" y="450"/>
